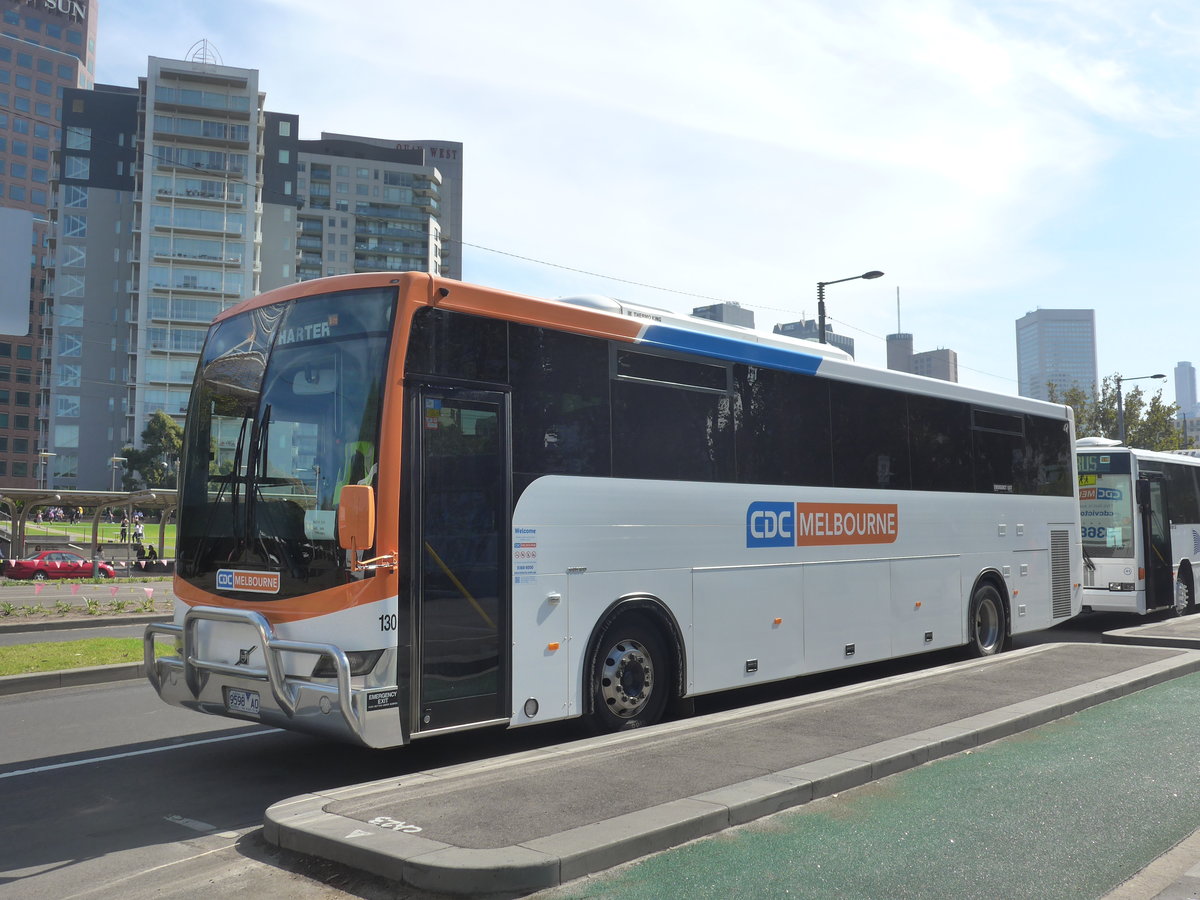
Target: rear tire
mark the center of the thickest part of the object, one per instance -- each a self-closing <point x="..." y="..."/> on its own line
<point x="1185" y="597"/>
<point x="39" y="575"/>
<point x="986" y="622"/>
<point x="630" y="676"/>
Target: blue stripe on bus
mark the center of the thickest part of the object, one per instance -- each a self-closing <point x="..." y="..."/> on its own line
<point x="698" y="342"/>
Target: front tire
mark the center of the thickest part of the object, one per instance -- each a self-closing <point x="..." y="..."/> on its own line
<point x="630" y="676"/>
<point x="986" y="622"/>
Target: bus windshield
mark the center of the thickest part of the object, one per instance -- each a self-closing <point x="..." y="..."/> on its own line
<point x="284" y="412"/>
<point x="1106" y="505"/>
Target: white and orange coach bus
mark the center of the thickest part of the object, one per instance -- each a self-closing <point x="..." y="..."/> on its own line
<point x="410" y="506"/>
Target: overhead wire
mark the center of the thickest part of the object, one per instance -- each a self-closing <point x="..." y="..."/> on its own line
<point x="298" y="201"/>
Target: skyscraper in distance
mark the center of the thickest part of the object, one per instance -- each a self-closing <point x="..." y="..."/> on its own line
<point x="1056" y="347"/>
<point x="1185" y="389"/>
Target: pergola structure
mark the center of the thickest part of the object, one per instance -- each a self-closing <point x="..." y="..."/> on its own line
<point x="22" y="503"/>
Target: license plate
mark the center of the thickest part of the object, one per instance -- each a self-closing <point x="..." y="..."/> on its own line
<point x="240" y="701"/>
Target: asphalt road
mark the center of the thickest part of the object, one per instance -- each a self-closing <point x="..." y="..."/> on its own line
<point x="108" y="791"/>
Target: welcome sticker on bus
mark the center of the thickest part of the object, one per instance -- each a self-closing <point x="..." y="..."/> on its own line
<point x="782" y="524"/>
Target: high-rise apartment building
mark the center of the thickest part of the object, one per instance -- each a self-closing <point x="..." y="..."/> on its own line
<point x="809" y="330"/>
<point x="45" y="49"/>
<point x="179" y="198"/>
<point x="157" y="233"/>
<point x="942" y="364"/>
<point x="728" y="312"/>
<point x="1056" y="346"/>
<point x="370" y="205"/>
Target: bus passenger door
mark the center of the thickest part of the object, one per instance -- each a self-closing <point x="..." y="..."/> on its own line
<point x="460" y="558"/>
<point x="1156" y="531"/>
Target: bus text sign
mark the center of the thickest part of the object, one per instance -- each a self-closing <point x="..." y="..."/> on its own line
<point x="783" y="524"/>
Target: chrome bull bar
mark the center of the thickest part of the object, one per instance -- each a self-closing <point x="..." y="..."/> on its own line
<point x="284" y="689"/>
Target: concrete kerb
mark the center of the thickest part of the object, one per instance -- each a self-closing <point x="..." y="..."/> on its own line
<point x="36" y="625"/>
<point x="1181" y="633"/>
<point x="45" y="681"/>
<point x="304" y="825"/>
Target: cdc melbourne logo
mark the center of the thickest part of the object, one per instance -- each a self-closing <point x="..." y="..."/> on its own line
<point x="225" y="579"/>
<point x="771" y="525"/>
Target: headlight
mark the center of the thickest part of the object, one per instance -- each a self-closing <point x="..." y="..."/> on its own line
<point x="361" y="662"/>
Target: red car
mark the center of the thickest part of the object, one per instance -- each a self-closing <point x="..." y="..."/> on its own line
<point x="54" y="564"/>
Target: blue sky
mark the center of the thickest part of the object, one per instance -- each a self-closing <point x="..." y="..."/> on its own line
<point x="990" y="157"/>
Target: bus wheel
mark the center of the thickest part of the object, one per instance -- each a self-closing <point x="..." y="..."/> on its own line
<point x="630" y="676"/>
<point x="985" y="622"/>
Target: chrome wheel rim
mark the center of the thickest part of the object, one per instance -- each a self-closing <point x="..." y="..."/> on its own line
<point x="626" y="679"/>
<point x="987" y="625"/>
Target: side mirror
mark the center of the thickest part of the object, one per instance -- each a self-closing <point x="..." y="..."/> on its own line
<point x="1141" y="490"/>
<point x="356" y="517"/>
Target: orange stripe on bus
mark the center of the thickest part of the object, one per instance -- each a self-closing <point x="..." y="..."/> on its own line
<point x="293" y="609"/>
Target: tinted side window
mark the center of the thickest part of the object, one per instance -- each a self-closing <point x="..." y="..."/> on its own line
<point x="559" y="403"/>
<point x="1182" y="502"/>
<point x="1046" y="466"/>
<point x="670" y="433"/>
<point x="870" y="437"/>
<point x="998" y="442"/>
<point x="456" y="345"/>
<point x="941" y="444"/>
<point x="782" y="428"/>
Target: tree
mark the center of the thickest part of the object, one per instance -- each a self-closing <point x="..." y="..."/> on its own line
<point x="1149" y="424"/>
<point x="155" y="465"/>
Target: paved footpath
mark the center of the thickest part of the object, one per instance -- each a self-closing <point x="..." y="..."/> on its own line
<point x="1072" y="809"/>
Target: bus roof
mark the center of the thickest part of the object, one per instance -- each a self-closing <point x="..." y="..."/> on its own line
<point x="1108" y="445"/>
<point x="649" y="326"/>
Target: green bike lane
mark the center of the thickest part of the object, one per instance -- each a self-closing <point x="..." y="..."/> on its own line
<point x="1070" y="809"/>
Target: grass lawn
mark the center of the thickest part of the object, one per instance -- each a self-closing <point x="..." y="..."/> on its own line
<point x="80" y="534"/>
<point x="25" y="659"/>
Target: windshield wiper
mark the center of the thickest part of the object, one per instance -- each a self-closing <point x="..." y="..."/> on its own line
<point x="207" y="536"/>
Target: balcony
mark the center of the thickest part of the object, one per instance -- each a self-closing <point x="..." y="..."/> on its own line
<point x="235" y="197"/>
<point x="203" y="258"/>
<point x="191" y="287"/>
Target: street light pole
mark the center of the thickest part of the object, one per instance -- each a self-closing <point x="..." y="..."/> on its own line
<point x="113" y="462"/>
<point x="1121" y="400"/>
<point x="821" y="299"/>
<point x="45" y="457"/>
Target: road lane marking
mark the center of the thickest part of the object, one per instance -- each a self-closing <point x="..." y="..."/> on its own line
<point x="99" y="759"/>
<point x="108" y="886"/>
<point x="194" y="824"/>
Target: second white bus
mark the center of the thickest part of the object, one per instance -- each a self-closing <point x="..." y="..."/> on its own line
<point x="1140" y="514"/>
